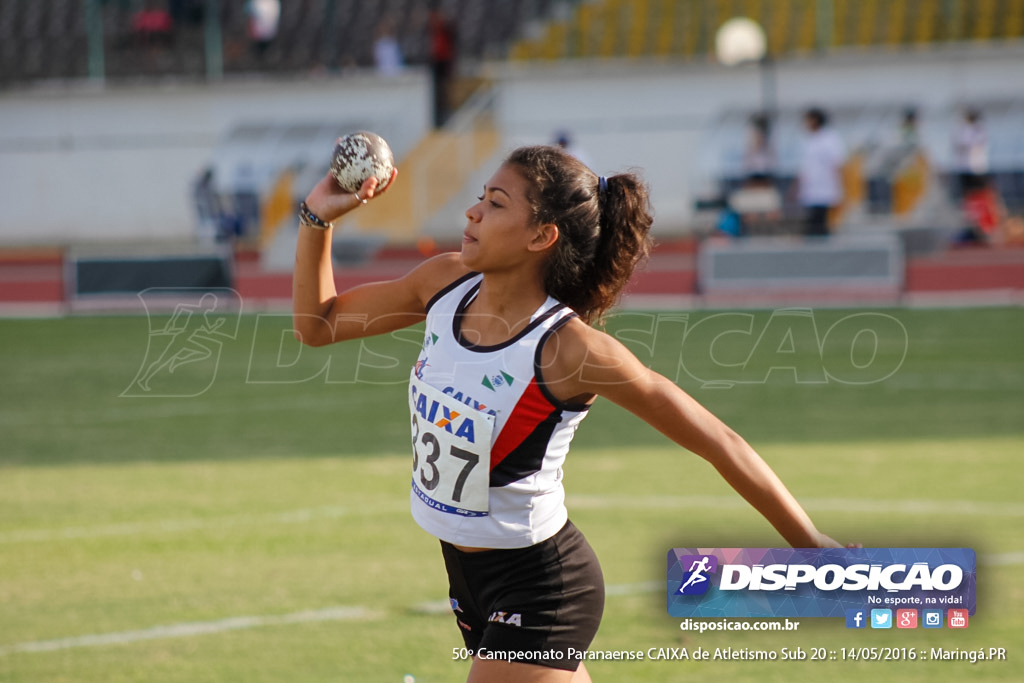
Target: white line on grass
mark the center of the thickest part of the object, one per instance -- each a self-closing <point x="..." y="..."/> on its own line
<point x="1003" y="559"/>
<point x="198" y="628"/>
<point x="179" y="525"/>
<point x="195" y="628"/>
<point x="325" y="614"/>
<point x="624" y="589"/>
<point x="575" y="502"/>
<point x="614" y="590"/>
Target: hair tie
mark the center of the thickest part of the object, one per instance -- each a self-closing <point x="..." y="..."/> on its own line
<point x="602" y="184"/>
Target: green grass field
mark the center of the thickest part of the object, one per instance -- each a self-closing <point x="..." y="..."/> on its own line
<point x="246" y="519"/>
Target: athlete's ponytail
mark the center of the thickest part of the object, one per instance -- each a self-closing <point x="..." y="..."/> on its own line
<point x="603" y="226"/>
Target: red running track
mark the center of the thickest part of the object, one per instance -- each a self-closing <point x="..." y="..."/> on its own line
<point x="36" y="276"/>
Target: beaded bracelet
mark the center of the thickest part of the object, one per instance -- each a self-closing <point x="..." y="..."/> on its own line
<point x="308" y="218"/>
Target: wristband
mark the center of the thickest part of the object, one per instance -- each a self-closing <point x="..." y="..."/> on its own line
<point x="307" y="217"/>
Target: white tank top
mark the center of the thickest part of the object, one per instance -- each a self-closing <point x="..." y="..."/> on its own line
<point x="489" y="439"/>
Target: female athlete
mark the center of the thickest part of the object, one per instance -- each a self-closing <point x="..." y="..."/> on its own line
<point x="509" y="367"/>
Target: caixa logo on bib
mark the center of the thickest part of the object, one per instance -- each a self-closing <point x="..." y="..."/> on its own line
<point x="803" y="582"/>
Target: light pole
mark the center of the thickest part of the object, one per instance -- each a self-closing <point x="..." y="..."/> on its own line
<point x="94" y="32"/>
<point x="741" y="40"/>
<point x="213" y="41"/>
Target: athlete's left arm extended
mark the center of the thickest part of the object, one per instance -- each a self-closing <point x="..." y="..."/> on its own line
<point x="591" y="362"/>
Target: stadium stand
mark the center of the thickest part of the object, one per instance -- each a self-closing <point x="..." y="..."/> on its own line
<point x="43" y="40"/>
<point x="685" y="28"/>
<point x="47" y="39"/>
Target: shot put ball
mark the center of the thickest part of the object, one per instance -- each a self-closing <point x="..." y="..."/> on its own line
<point x="362" y="155"/>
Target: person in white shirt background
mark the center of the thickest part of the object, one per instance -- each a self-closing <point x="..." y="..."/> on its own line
<point x="820" y="183"/>
<point x="387" y="53"/>
<point x="264" y="17"/>
<point x="970" y="147"/>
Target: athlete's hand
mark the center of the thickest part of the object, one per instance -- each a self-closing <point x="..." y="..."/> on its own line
<point x="828" y="542"/>
<point x="328" y="201"/>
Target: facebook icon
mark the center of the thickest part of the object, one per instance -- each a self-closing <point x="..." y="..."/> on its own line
<point x="856" y="618"/>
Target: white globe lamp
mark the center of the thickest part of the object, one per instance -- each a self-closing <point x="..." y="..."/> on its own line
<point x="740" y="40"/>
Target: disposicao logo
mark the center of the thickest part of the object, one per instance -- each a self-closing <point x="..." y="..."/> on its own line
<point x="813" y="582"/>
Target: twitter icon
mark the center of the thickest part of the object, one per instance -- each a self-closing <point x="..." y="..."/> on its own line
<point x="881" y="618"/>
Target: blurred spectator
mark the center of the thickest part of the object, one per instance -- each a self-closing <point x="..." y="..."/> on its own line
<point x="759" y="156"/>
<point x="984" y="215"/>
<point x="442" y="62"/>
<point x="970" y="152"/>
<point x="982" y="208"/>
<point x="904" y="144"/>
<point x="264" y="16"/>
<point x="563" y="139"/>
<point x="209" y="215"/>
<point x="889" y="159"/>
<point x="387" y="54"/>
<point x="908" y="128"/>
<point x="756" y="206"/>
<point x="819" y="179"/>
<point x="152" y="25"/>
<point x="244" y="215"/>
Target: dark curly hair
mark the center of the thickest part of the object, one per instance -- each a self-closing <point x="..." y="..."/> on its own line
<point x="603" y="234"/>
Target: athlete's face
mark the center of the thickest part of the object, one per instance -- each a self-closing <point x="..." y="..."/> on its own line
<point x="500" y="230"/>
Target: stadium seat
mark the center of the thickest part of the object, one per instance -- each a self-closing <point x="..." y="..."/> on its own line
<point x="318" y="34"/>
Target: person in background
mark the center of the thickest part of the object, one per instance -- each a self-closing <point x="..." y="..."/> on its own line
<point x="264" y="16"/>
<point x="153" y="25"/>
<point x="759" y="156"/>
<point x="387" y="53"/>
<point x="442" y="61"/>
<point x="908" y="129"/>
<point x="755" y="207"/>
<point x="564" y="139"/>
<point x="970" y="152"/>
<point x="819" y="179"/>
<point x="980" y="202"/>
<point x="207" y="206"/>
<point x="887" y="159"/>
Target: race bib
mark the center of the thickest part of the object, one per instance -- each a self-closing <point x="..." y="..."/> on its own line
<point x="451" y="451"/>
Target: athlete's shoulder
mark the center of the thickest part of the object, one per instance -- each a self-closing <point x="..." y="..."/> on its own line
<point x="578" y="345"/>
<point x="579" y="338"/>
<point x="437" y="273"/>
<point x="588" y="360"/>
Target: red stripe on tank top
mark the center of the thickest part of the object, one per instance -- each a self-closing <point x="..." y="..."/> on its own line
<point x="531" y="410"/>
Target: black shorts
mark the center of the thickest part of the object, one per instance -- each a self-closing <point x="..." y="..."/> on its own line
<point x="538" y="605"/>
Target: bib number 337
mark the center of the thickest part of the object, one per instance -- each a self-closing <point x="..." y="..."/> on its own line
<point x="451" y="445"/>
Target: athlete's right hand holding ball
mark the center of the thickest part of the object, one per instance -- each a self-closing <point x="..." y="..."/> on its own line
<point x="328" y="201"/>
